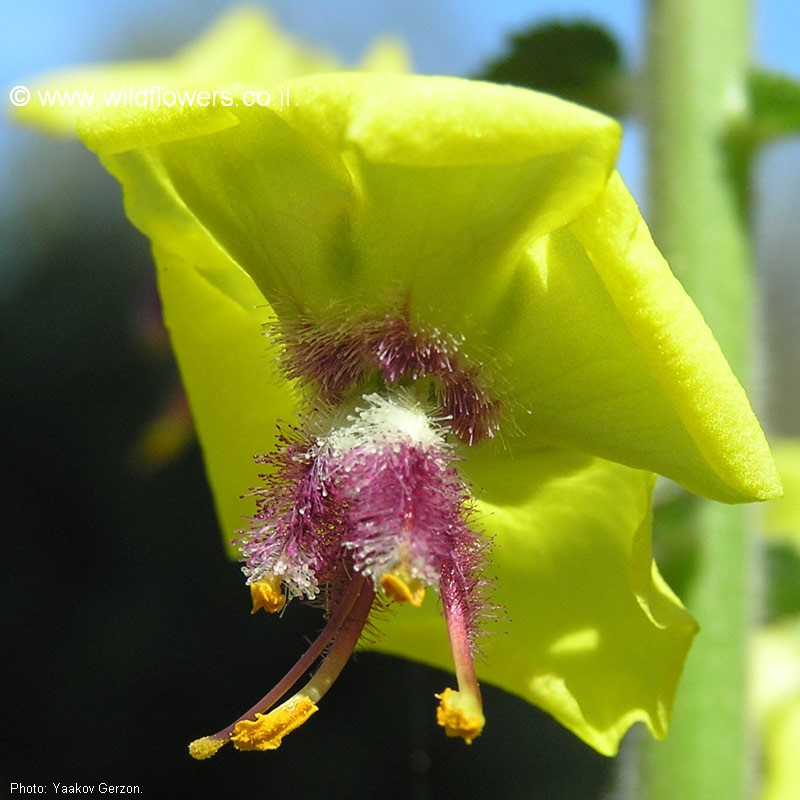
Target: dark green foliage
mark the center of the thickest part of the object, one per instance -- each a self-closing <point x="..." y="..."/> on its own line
<point x="579" y="61"/>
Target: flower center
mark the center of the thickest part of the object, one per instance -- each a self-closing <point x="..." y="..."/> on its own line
<point x="371" y="511"/>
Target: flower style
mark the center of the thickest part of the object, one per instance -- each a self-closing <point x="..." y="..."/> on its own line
<point x="482" y="361"/>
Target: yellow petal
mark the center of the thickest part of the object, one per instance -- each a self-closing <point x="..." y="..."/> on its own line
<point x="680" y="350"/>
<point x="236" y="394"/>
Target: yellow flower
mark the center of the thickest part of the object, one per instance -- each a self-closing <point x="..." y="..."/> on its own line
<point x="451" y="271"/>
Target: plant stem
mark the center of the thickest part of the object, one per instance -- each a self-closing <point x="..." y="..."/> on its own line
<point x="696" y="93"/>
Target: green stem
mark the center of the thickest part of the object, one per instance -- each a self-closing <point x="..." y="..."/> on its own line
<point x="696" y="91"/>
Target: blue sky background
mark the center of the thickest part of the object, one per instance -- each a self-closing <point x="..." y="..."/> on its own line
<point x="449" y="36"/>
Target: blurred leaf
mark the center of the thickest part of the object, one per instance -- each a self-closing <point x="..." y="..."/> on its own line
<point x="579" y="61"/>
<point x="781" y="520"/>
<point x="782" y="584"/>
<point x="675" y="535"/>
<point x="774" y="104"/>
<point x="781" y="529"/>
<point x="776" y="702"/>
<point x="773" y="111"/>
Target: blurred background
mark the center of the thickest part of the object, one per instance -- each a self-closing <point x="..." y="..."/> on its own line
<point x="125" y="631"/>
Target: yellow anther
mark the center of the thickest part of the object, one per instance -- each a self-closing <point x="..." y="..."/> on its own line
<point x="460" y="715"/>
<point x="267" y="594"/>
<point x="205" y="747"/>
<point x="266" y="731"/>
<point x="401" y="587"/>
